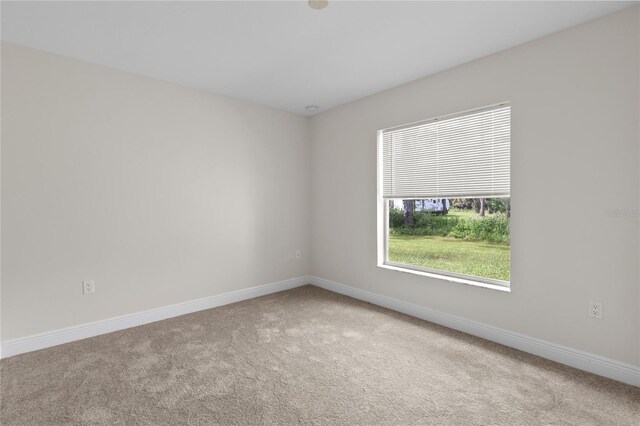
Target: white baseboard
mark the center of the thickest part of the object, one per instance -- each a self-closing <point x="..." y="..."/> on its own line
<point x="612" y="369"/>
<point x="83" y="331"/>
<point x="595" y="364"/>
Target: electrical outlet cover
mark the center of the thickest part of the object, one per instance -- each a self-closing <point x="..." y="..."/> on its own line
<point x="88" y="287"/>
<point x="595" y="309"/>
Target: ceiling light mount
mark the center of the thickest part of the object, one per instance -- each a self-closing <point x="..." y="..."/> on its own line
<point x="318" y="4"/>
<point x="312" y="108"/>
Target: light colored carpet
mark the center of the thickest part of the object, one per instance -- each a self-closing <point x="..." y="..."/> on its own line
<point x="302" y="356"/>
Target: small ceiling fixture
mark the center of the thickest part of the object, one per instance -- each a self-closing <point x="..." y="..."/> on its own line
<point x="318" y="4"/>
<point x="312" y="108"/>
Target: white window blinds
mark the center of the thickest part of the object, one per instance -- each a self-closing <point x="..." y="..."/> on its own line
<point x="462" y="155"/>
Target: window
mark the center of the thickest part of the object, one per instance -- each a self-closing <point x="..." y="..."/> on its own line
<point x="444" y="203"/>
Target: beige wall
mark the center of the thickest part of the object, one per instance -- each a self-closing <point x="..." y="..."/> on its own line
<point x="159" y="193"/>
<point x="575" y="145"/>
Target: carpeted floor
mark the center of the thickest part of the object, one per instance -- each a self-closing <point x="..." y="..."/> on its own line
<point x="302" y="356"/>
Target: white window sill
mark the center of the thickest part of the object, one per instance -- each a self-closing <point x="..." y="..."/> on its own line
<point x="494" y="285"/>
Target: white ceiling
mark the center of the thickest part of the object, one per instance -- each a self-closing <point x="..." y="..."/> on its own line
<point x="285" y="54"/>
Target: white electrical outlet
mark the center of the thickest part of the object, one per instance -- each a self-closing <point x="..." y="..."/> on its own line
<point x="595" y="309"/>
<point x="88" y="287"/>
<point x="298" y="254"/>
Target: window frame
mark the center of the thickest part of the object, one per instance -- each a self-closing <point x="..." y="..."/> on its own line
<point x="383" y="227"/>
